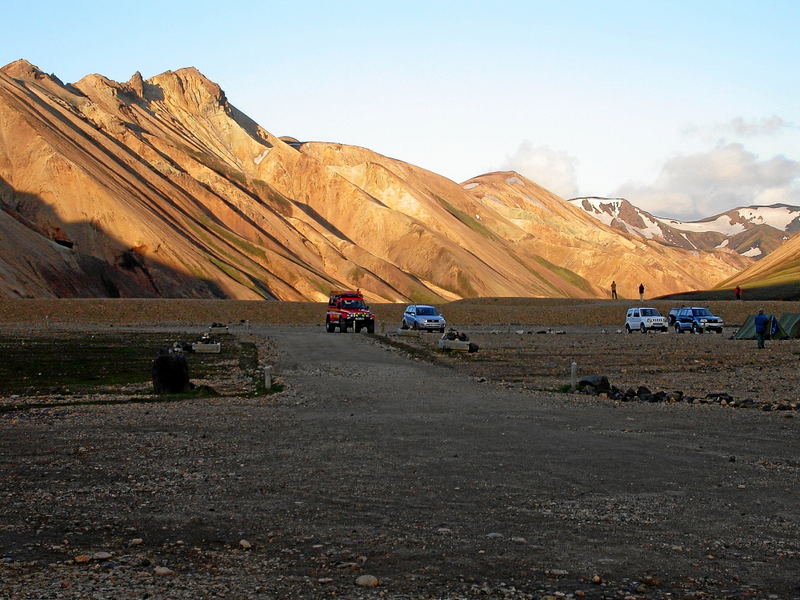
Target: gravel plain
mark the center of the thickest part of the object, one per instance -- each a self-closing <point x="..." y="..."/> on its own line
<point x="384" y="469"/>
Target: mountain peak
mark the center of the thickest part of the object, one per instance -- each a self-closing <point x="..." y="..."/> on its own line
<point x="22" y="69"/>
<point x="136" y="84"/>
<point x="190" y="88"/>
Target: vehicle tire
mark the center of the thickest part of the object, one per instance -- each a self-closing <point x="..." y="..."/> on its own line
<point x="664" y="330"/>
<point x="627" y="328"/>
<point x="403" y="324"/>
<point x="696" y="329"/>
<point x="343" y="326"/>
<point x="414" y="325"/>
<point x="371" y="327"/>
<point x="671" y="319"/>
<point x="642" y="328"/>
<point x="441" y="330"/>
<point x="678" y="327"/>
<point x="330" y="327"/>
<point x="357" y="327"/>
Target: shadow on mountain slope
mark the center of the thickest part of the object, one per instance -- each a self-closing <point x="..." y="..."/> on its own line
<point x="38" y="247"/>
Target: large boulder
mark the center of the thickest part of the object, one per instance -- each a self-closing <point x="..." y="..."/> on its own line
<point x="170" y="373"/>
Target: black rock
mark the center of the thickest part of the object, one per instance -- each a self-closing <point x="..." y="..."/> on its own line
<point x="599" y="382"/>
<point x="170" y="373"/>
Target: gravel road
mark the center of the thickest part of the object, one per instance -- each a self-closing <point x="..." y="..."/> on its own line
<point x="373" y="463"/>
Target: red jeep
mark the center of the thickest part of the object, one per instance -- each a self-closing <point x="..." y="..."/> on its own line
<point x="348" y="309"/>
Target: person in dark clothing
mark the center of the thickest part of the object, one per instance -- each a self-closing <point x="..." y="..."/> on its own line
<point x="641" y="292"/>
<point x="737" y="291"/>
<point x="762" y="327"/>
<point x="613" y="290"/>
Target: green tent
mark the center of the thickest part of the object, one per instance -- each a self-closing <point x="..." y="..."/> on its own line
<point x="748" y="330"/>
<point x="791" y="324"/>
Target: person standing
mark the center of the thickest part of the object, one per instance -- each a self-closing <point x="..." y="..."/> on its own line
<point x="613" y="290"/>
<point x="737" y="291"/>
<point x="641" y="292"/>
<point x="762" y="327"/>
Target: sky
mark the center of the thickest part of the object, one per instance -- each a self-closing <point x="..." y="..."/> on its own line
<point x="685" y="108"/>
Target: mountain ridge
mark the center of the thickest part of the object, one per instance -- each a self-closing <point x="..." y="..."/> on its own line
<point x="162" y="187"/>
<point x="752" y="231"/>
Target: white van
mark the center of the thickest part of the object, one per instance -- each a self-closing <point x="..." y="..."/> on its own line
<point x="644" y="319"/>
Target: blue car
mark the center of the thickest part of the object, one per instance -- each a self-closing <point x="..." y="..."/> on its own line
<point x="696" y="320"/>
<point x="424" y="317"/>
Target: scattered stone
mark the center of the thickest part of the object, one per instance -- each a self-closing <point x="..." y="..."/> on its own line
<point x="367" y="581"/>
<point x="597" y="579"/>
<point x="519" y="540"/>
<point x="101" y="555"/>
<point x="494" y="535"/>
<point x="82" y="558"/>
<point x="163" y="571"/>
<point x="136" y="542"/>
<point x="245" y="544"/>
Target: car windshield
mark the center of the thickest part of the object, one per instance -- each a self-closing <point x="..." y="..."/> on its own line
<point x="427" y="311"/>
<point x="702" y="312"/>
<point x="650" y="312"/>
<point x="353" y="304"/>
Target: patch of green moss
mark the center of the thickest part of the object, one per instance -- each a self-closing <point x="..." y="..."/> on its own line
<point x="234" y="274"/>
<point x="569" y="276"/>
<point x="469" y="221"/>
<point x="423" y="296"/>
<point x="242" y="244"/>
<point x="266" y="192"/>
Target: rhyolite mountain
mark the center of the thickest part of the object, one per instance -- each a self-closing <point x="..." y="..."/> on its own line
<point x="752" y="231"/>
<point x="162" y="188"/>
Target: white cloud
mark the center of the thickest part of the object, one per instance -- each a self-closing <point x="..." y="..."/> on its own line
<point x="707" y="183"/>
<point x="739" y="127"/>
<point x="554" y="170"/>
<point x="765" y="126"/>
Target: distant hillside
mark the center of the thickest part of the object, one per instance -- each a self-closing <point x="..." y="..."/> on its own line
<point x="752" y="231"/>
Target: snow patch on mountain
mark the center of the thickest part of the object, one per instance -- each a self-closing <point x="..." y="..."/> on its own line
<point x="778" y="216"/>
<point x="722" y="224"/>
<point x="752" y="253"/>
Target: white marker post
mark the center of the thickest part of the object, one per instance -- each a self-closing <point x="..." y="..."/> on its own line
<point x="573" y="376"/>
<point x="268" y="377"/>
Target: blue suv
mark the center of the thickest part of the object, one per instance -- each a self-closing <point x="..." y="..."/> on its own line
<point x="696" y="320"/>
<point x="421" y="316"/>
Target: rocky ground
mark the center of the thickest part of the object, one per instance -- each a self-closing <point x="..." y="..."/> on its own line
<point x="697" y="368"/>
<point x="384" y="469"/>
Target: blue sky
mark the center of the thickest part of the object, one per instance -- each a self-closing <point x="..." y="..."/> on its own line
<point x="685" y="108"/>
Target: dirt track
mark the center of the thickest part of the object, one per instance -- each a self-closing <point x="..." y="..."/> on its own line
<point x="371" y="462"/>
